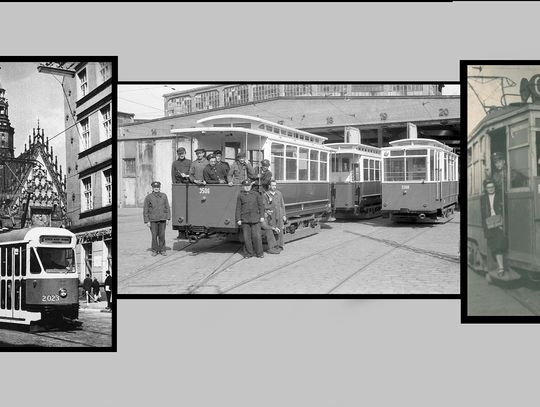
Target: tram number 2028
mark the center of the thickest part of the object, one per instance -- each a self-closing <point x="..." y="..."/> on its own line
<point x="50" y="298"/>
<point x="204" y="190"/>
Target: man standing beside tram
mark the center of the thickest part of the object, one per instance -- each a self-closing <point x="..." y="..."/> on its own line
<point x="273" y="199"/>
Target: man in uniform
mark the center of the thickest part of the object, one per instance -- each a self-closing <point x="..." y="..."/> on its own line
<point x="241" y="170"/>
<point x="180" y="168"/>
<point x="250" y="215"/>
<point x="499" y="171"/>
<point x="157" y="214"/>
<point x="223" y="167"/>
<point x="274" y="199"/>
<point x="197" y="167"/>
<point x="211" y="174"/>
<point x="265" y="176"/>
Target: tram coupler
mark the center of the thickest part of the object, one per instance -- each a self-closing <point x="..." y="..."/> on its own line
<point x="196" y="238"/>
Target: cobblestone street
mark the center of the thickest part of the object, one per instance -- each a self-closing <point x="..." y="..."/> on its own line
<point x="347" y="257"/>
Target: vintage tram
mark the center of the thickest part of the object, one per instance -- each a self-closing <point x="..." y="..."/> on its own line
<point x="512" y="131"/>
<point x="420" y="180"/>
<point x="299" y="163"/>
<point x="355" y="180"/>
<point x="38" y="276"/>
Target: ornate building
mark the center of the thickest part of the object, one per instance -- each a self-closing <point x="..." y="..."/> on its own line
<point x="32" y="188"/>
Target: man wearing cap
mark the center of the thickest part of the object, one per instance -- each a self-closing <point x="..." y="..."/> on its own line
<point x="211" y="174"/>
<point x="223" y="167"/>
<point x="265" y="176"/>
<point x="241" y="170"/>
<point x="250" y="215"/>
<point x="499" y="171"/>
<point x="157" y="214"/>
<point x="197" y="167"/>
<point x="273" y="199"/>
<point x="180" y="168"/>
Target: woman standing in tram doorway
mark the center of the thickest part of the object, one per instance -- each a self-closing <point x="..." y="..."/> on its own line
<point x="493" y="221"/>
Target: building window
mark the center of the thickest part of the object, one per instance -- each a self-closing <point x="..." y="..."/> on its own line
<point x="87" y="247"/>
<point x="369" y="89"/>
<point x="85" y="134"/>
<point x="87" y="203"/>
<point x="262" y="92"/>
<point x="107" y="187"/>
<point x="104" y="71"/>
<point x="129" y="168"/>
<point x="179" y="105"/>
<point x="83" y="83"/>
<point x="332" y="90"/>
<point x="105" y="115"/>
<point x="235" y="95"/>
<point x="298" y="90"/>
<point x="206" y="100"/>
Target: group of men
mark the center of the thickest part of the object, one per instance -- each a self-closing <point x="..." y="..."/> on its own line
<point x="260" y="208"/>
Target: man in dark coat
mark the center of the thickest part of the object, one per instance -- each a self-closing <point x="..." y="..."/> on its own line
<point x="223" y="167"/>
<point x="180" y="168"/>
<point x="157" y="214"/>
<point x="108" y="288"/>
<point x="211" y="175"/>
<point x="250" y="215"/>
<point x="95" y="289"/>
<point x="87" y="286"/>
<point x="264" y="176"/>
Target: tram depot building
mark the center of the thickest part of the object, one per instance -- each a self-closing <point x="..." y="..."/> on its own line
<point x="147" y="148"/>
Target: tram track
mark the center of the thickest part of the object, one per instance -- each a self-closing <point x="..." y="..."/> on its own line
<point x="394" y="245"/>
<point x="64" y="340"/>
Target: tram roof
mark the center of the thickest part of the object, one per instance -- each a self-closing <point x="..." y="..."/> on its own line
<point x="263" y="128"/>
<point x="419" y="142"/>
<point x="503" y="113"/>
<point x="27" y="234"/>
<point x="354" y="148"/>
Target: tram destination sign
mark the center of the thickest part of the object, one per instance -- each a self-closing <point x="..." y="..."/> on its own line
<point x="55" y="239"/>
<point x="530" y="88"/>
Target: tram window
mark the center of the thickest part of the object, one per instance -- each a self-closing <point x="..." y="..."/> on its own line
<point x="303" y="166"/>
<point x="356" y="172"/>
<point x="366" y="169"/>
<point x="416" y="152"/>
<point x="17" y="260"/>
<point x="372" y="170"/>
<point x="9" y="262"/>
<point x="23" y="260"/>
<point x="519" y="137"/>
<point x="255" y="157"/>
<point x="396" y="152"/>
<point x="8" y="295"/>
<point x="35" y="268"/>
<point x="394" y="169"/>
<point x="538" y="152"/>
<point x="345" y="164"/>
<point x="416" y="168"/>
<point x="324" y="166"/>
<point x="3" y="294"/>
<point x="56" y="260"/>
<point x="277" y="153"/>
<point x="3" y="262"/>
<point x="519" y="167"/>
<point x="291" y="163"/>
<point x="314" y="165"/>
<point x="377" y="170"/>
<point x="17" y="293"/>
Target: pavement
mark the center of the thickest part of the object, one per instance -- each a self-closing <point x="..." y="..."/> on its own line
<point x="346" y="257"/>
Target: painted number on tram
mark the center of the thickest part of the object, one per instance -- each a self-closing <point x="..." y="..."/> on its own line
<point x="204" y="190"/>
<point x="404" y="187"/>
<point x="50" y="298"/>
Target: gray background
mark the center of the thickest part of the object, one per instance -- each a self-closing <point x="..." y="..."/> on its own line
<point x="296" y="352"/>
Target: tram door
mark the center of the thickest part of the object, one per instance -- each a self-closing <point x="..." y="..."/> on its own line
<point x="11" y="274"/>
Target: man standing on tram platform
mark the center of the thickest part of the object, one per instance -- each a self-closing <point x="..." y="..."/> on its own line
<point x="197" y="167"/>
<point x="274" y="199"/>
<point x="211" y="175"/>
<point x="180" y="168"/>
<point x="241" y="170"/>
<point x="223" y="167"/>
<point x="156" y="214"/>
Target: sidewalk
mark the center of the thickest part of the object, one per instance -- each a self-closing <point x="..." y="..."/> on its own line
<point x="93" y="306"/>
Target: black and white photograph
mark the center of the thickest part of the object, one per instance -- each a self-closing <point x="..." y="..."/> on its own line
<point x="288" y="188"/>
<point x="56" y="252"/>
<point x="503" y="187"/>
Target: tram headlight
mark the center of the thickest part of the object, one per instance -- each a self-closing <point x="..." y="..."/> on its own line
<point x="62" y="293"/>
<point x="180" y="219"/>
<point x="227" y="221"/>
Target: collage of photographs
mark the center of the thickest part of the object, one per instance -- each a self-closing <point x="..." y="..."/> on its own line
<point x="278" y="190"/>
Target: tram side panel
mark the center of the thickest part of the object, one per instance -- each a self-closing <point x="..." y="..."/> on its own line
<point x="521" y="231"/>
<point x="476" y="241"/>
<point x="417" y="198"/>
<point x="305" y="198"/>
